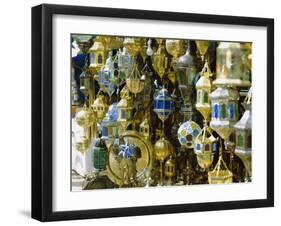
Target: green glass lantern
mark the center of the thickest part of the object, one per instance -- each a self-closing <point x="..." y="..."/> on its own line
<point x="99" y="155"/>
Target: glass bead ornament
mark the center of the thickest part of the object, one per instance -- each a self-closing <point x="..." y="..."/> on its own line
<point x="100" y="107"/>
<point x="163" y="104"/>
<point x="187" y="133"/>
<point x="224" y="111"/>
<point x="203" y="90"/>
<point x="125" y="108"/>
<point x="243" y="137"/>
<point x="99" y="154"/>
<point x="149" y="51"/>
<point x="229" y="65"/>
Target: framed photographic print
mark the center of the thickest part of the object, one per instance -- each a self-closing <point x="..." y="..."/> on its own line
<point x="145" y="112"/>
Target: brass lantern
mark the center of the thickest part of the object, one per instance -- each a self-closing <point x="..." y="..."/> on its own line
<point x="224" y="111"/>
<point x="100" y="107"/>
<point x="97" y="55"/>
<point x="243" y="137"/>
<point x="160" y="59"/>
<point x="229" y="65"/>
<point x="125" y="62"/>
<point x="186" y="72"/>
<point x="135" y="82"/>
<point x="85" y="117"/>
<point x="125" y="108"/>
<point x="203" y="87"/>
<point x="170" y="170"/>
<point x="202" y="47"/>
<point x="162" y="149"/>
<point x="175" y="48"/>
<point x="134" y="45"/>
<point x="145" y="128"/>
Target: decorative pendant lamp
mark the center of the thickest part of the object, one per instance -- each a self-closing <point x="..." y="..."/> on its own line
<point x="163" y="104"/>
<point x="160" y="59"/>
<point x="187" y="133"/>
<point x="203" y="87"/>
<point x="221" y="174"/>
<point x="185" y="75"/>
<point x="224" y="111"/>
<point x="105" y="77"/>
<point x="162" y="149"/>
<point x="125" y="62"/>
<point x="134" y="45"/>
<point x="134" y="81"/>
<point x="125" y="108"/>
<point x="97" y="55"/>
<point x="175" y="48"/>
<point x="243" y="137"/>
<point x="202" y="47"/>
<point x="229" y="65"/>
<point x="109" y="125"/>
<point x="170" y="170"/>
<point x="204" y="148"/>
<point x="145" y="128"/>
<point x="100" y="106"/>
<point x="99" y="155"/>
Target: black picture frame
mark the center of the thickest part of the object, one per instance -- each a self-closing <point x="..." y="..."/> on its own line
<point x="42" y="111"/>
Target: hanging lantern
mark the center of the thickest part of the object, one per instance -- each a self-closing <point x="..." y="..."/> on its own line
<point x="86" y="83"/>
<point x="163" y="104"/>
<point x="109" y="124"/>
<point x="134" y="45"/>
<point x="125" y="108"/>
<point x="82" y="144"/>
<point x="85" y="117"/>
<point x="203" y="87"/>
<point x="145" y="128"/>
<point x="125" y="62"/>
<point x="185" y="75"/>
<point x="229" y="65"/>
<point x="117" y="78"/>
<point x="160" y="59"/>
<point x="97" y="55"/>
<point x="100" y="107"/>
<point x="162" y="149"/>
<point x="84" y="42"/>
<point x="149" y="51"/>
<point x="170" y="170"/>
<point x="204" y="148"/>
<point x="187" y="133"/>
<point x="220" y="174"/>
<point x="202" y="47"/>
<point x="175" y="48"/>
<point x="243" y="137"/>
<point x="224" y="111"/>
<point x="99" y="155"/>
<point x="135" y="82"/>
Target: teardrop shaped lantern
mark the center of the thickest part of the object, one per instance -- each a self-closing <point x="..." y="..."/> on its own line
<point x="163" y="104"/>
<point x="203" y="88"/>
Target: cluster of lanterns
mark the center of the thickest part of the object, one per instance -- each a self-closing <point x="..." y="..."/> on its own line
<point x="200" y="83"/>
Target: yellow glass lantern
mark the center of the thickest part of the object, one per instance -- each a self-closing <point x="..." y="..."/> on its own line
<point x="175" y="48"/>
<point x="134" y="45"/>
<point x="160" y="59"/>
<point x="162" y="149"/>
<point x="100" y="107"/>
<point x="202" y="47"/>
<point x="170" y="170"/>
<point x="203" y="87"/>
<point x="229" y="65"/>
<point x="125" y="108"/>
<point x="135" y="82"/>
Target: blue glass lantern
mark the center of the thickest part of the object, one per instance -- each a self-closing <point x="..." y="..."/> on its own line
<point x="163" y="104"/>
<point x="109" y="125"/>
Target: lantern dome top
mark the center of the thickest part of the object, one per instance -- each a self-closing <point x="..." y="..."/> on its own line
<point x="185" y="61"/>
<point x="245" y="122"/>
<point x="203" y="82"/>
<point x="224" y="93"/>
